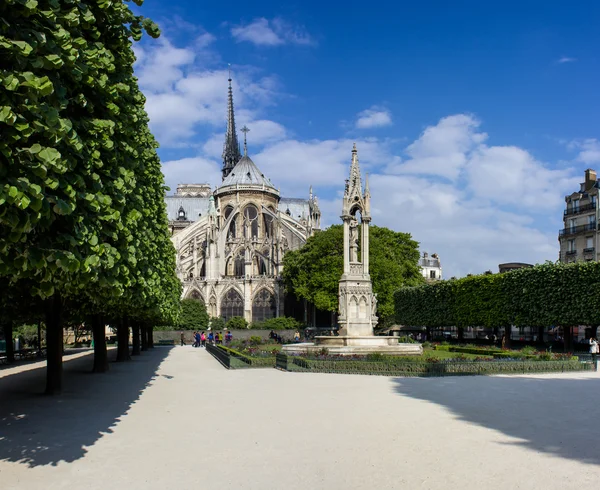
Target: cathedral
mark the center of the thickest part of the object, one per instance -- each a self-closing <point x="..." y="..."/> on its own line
<point x="231" y="241"/>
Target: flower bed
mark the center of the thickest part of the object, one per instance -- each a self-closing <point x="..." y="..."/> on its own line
<point x="248" y="361"/>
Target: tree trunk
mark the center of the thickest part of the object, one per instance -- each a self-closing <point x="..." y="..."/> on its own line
<point x="123" y="340"/>
<point x="568" y="342"/>
<point x="150" y="337"/>
<point x="10" y="346"/>
<point x="135" y="330"/>
<point x="507" y="332"/>
<point x="100" y="352"/>
<point x="39" y="342"/>
<point x="540" y="339"/>
<point x="429" y="334"/>
<point x="54" y="345"/>
<point x="461" y="334"/>
<point x="144" y="337"/>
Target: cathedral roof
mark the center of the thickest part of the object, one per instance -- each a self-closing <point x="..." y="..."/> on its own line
<point x="246" y="173"/>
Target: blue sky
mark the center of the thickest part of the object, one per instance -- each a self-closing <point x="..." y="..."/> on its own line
<point x="473" y="120"/>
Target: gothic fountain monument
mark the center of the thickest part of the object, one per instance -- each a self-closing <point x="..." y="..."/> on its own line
<point x="357" y="303"/>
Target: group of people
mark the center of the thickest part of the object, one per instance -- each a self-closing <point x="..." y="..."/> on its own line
<point x="213" y="338"/>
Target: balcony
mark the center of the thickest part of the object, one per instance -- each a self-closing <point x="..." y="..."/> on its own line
<point x="580" y="209"/>
<point x="570" y="252"/>
<point x="589" y="250"/>
<point x="574" y="230"/>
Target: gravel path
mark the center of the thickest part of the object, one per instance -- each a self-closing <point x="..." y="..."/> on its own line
<point x="173" y="418"/>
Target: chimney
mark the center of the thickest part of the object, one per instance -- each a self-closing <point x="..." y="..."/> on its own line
<point x="590" y="179"/>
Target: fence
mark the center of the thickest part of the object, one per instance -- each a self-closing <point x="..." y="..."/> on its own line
<point x="394" y="367"/>
<point x="233" y="359"/>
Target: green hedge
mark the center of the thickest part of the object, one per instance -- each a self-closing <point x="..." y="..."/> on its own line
<point x="452" y="368"/>
<point x="248" y="360"/>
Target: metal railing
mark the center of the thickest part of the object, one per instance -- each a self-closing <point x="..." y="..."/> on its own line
<point x="580" y="209"/>
<point x="574" y="230"/>
<point x="219" y="355"/>
<point x="589" y="250"/>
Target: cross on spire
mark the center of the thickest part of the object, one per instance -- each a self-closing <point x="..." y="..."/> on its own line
<point x="245" y="130"/>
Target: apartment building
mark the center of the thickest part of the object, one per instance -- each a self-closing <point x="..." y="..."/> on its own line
<point x="579" y="237"/>
<point x="431" y="267"/>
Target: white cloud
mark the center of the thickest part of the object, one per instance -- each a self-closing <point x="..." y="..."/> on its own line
<point x="195" y="170"/>
<point x="566" y="59"/>
<point x="263" y="32"/>
<point x="474" y="203"/>
<point x="373" y="118"/>
<point x="442" y="150"/>
<point x="589" y="150"/>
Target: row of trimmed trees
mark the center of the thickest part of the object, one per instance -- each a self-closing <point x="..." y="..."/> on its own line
<point x="83" y="227"/>
<point x="547" y="295"/>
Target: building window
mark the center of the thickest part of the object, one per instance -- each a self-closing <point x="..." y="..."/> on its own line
<point x="572" y="222"/>
<point x="431" y="274"/>
<point x="591" y="219"/>
<point x="589" y="242"/>
<point x="232" y="305"/>
<point x="571" y="245"/>
<point x="251" y="221"/>
<point x="575" y="204"/>
<point x="263" y="306"/>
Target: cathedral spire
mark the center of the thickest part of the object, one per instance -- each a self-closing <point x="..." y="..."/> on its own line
<point x="231" y="148"/>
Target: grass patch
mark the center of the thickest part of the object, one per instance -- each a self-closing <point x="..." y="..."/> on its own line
<point x="441" y="354"/>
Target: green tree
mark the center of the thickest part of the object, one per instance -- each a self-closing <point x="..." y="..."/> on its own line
<point x="76" y="158"/>
<point x="313" y="272"/>
<point x="236" y="323"/>
<point x="217" y="323"/>
<point x="193" y="315"/>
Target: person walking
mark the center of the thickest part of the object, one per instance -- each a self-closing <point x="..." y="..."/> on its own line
<point x="211" y="337"/>
<point x="297" y="336"/>
<point x="182" y="338"/>
<point x="228" y="337"/>
<point x="197" y="338"/>
<point x="203" y="339"/>
<point x="594" y="349"/>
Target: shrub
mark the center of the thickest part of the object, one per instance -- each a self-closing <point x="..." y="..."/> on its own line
<point x="217" y="323"/>
<point x="375" y="356"/>
<point x="406" y="340"/>
<point x="255" y="340"/>
<point x="236" y="323"/>
<point x="281" y="323"/>
<point x="528" y="350"/>
<point x="426" y="344"/>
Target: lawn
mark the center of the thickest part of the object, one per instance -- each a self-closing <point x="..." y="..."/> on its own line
<point x="440" y="354"/>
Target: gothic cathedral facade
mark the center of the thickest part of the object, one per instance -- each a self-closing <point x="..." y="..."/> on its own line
<point x="231" y="241"/>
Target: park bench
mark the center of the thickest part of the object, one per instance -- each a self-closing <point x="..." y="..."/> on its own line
<point x="166" y="342"/>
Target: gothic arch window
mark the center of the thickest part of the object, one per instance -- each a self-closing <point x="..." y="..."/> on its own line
<point x="251" y="218"/>
<point x="268" y="224"/>
<point x="232" y="229"/>
<point x="260" y="267"/>
<point x="362" y="308"/>
<point x="212" y="307"/>
<point x="240" y="266"/>
<point x="353" y="309"/>
<point x="228" y="210"/>
<point x="203" y="269"/>
<point x="263" y="306"/>
<point x="232" y="304"/>
<point x="196" y="295"/>
<point x="229" y="269"/>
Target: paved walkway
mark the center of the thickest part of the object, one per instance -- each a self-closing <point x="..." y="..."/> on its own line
<point x="175" y="419"/>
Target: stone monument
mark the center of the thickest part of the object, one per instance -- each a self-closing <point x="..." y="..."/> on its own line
<point x="357" y="303"/>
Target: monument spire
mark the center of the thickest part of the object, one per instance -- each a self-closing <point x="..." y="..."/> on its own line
<point x="231" y="148"/>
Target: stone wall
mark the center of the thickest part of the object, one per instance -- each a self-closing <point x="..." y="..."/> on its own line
<point x="237" y="334"/>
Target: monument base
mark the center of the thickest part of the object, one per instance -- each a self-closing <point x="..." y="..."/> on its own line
<point x="346" y="345"/>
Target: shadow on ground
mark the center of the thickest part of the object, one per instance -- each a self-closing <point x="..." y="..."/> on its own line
<point x="39" y="430"/>
<point x="556" y="415"/>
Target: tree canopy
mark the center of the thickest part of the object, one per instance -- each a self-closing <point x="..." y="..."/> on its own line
<point x="313" y="272"/>
<point x="83" y="227"/>
<point x="193" y="315"/>
<point x="542" y="296"/>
